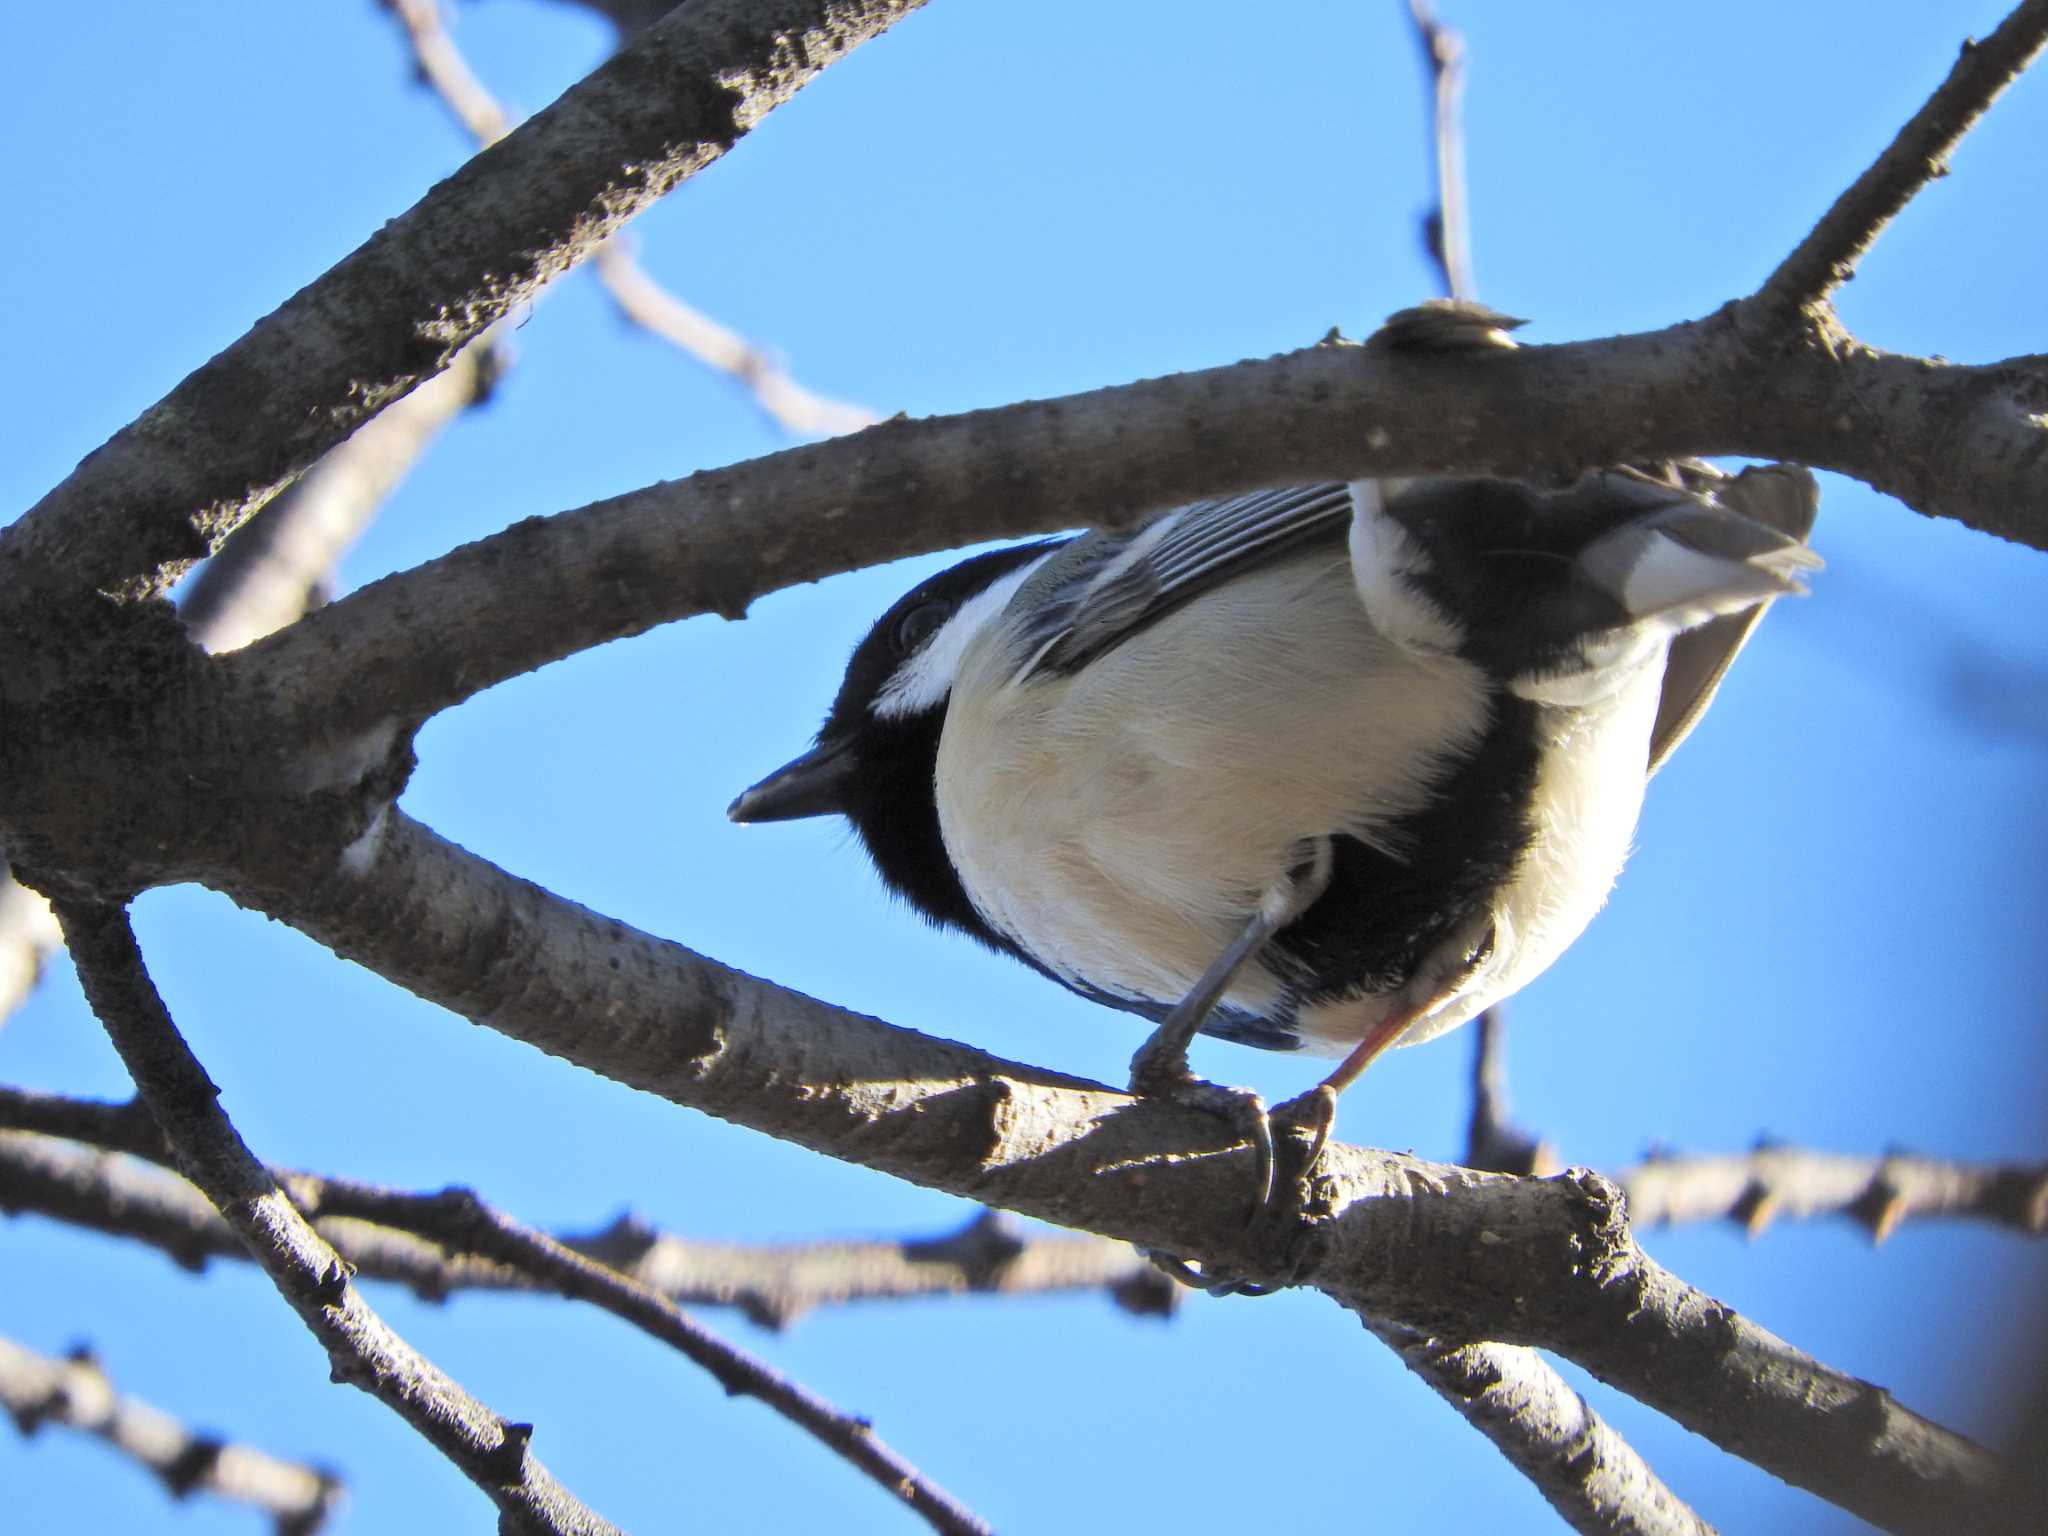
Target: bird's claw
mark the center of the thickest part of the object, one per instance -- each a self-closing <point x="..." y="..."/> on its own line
<point x="1183" y="1273"/>
<point x="1314" y="1112"/>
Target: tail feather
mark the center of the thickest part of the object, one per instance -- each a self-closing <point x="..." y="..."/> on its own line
<point x="1693" y="561"/>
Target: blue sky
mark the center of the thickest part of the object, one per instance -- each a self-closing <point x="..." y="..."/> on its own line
<point x="1828" y="934"/>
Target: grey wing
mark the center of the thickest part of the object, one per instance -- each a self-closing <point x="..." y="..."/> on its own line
<point x="1103" y="589"/>
<point x="1781" y="496"/>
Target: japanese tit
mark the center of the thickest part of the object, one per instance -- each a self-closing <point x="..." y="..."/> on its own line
<point x="1324" y="768"/>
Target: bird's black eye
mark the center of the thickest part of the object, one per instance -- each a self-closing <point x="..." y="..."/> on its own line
<point x="916" y="626"/>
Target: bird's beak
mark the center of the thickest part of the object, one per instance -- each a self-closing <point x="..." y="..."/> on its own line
<point x="813" y="785"/>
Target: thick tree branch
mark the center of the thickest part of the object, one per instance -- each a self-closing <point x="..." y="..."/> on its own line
<point x="166" y="490"/>
<point x="1547" y="1263"/>
<point x="547" y="587"/>
<point x="273" y="568"/>
<point x="36" y="1390"/>
<point x="1592" y="1477"/>
<point x="492" y="1453"/>
<point x="1827" y="257"/>
<point x="1641" y="1329"/>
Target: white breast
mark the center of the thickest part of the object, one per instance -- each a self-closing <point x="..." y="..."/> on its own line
<point x="1121" y="823"/>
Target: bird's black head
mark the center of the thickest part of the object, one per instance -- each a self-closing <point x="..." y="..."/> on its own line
<point x="877" y="751"/>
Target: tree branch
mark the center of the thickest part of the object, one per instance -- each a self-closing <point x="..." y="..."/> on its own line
<point x="1592" y="1477"/>
<point x="775" y="1284"/>
<point x="167" y="489"/>
<point x="772" y="1284"/>
<point x="1919" y="153"/>
<point x="1492" y="1140"/>
<point x="75" y="1392"/>
<point x="640" y="299"/>
<point x="492" y="1453"/>
<point x="458" y="1220"/>
<point x="1446" y="228"/>
<point x="547" y="587"/>
<point x="1877" y="1192"/>
<point x="1546" y="1263"/>
<point x="273" y="568"/>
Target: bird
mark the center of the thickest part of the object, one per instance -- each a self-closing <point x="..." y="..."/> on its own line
<point x="1322" y="768"/>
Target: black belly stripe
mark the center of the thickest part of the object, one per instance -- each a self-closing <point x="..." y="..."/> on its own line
<point x="1381" y="916"/>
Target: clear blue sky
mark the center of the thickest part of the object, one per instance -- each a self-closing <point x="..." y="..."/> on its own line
<point x="1830" y="933"/>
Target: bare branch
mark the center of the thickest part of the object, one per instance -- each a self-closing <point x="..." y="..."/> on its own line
<point x="117" y="1195"/>
<point x="1919" y="153"/>
<point x="458" y="1220"/>
<point x="1446" y="228"/>
<point x="1547" y="1263"/>
<point x="1643" y="1330"/>
<point x="446" y="72"/>
<point x="166" y="490"/>
<point x="1755" y="1189"/>
<point x="269" y="574"/>
<point x="795" y="409"/>
<point x="1492" y="1140"/>
<point x="491" y="1452"/>
<point x="773" y="1284"/>
<point x="714" y="542"/>
<point x="639" y="298"/>
<point x="1592" y="1477"/>
<point x="272" y="570"/>
<point x="76" y="1393"/>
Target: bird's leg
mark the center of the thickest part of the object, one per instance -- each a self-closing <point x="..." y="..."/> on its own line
<point x="1317" y="1109"/>
<point x="1160" y="1067"/>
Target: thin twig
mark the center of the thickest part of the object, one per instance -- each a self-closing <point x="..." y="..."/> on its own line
<point x="1446" y="229"/>
<point x="1918" y="154"/>
<point x="457" y="1219"/>
<point x="75" y="1392"/>
<point x="1879" y="1193"/>
<point x="1492" y="1140"/>
<point x="772" y="1284"/>
<point x="514" y="1256"/>
<point x="365" y="1352"/>
<point x="651" y="307"/>
<point x="639" y="298"/>
<point x="1596" y="1481"/>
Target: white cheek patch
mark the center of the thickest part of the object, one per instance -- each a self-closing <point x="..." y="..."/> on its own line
<point x="923" y="681"/>
<point x="1383" y="558"/>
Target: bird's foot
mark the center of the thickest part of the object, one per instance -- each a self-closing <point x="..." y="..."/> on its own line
<point x="1311" y="1115"/>
<point x="1163" y="1074"/>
